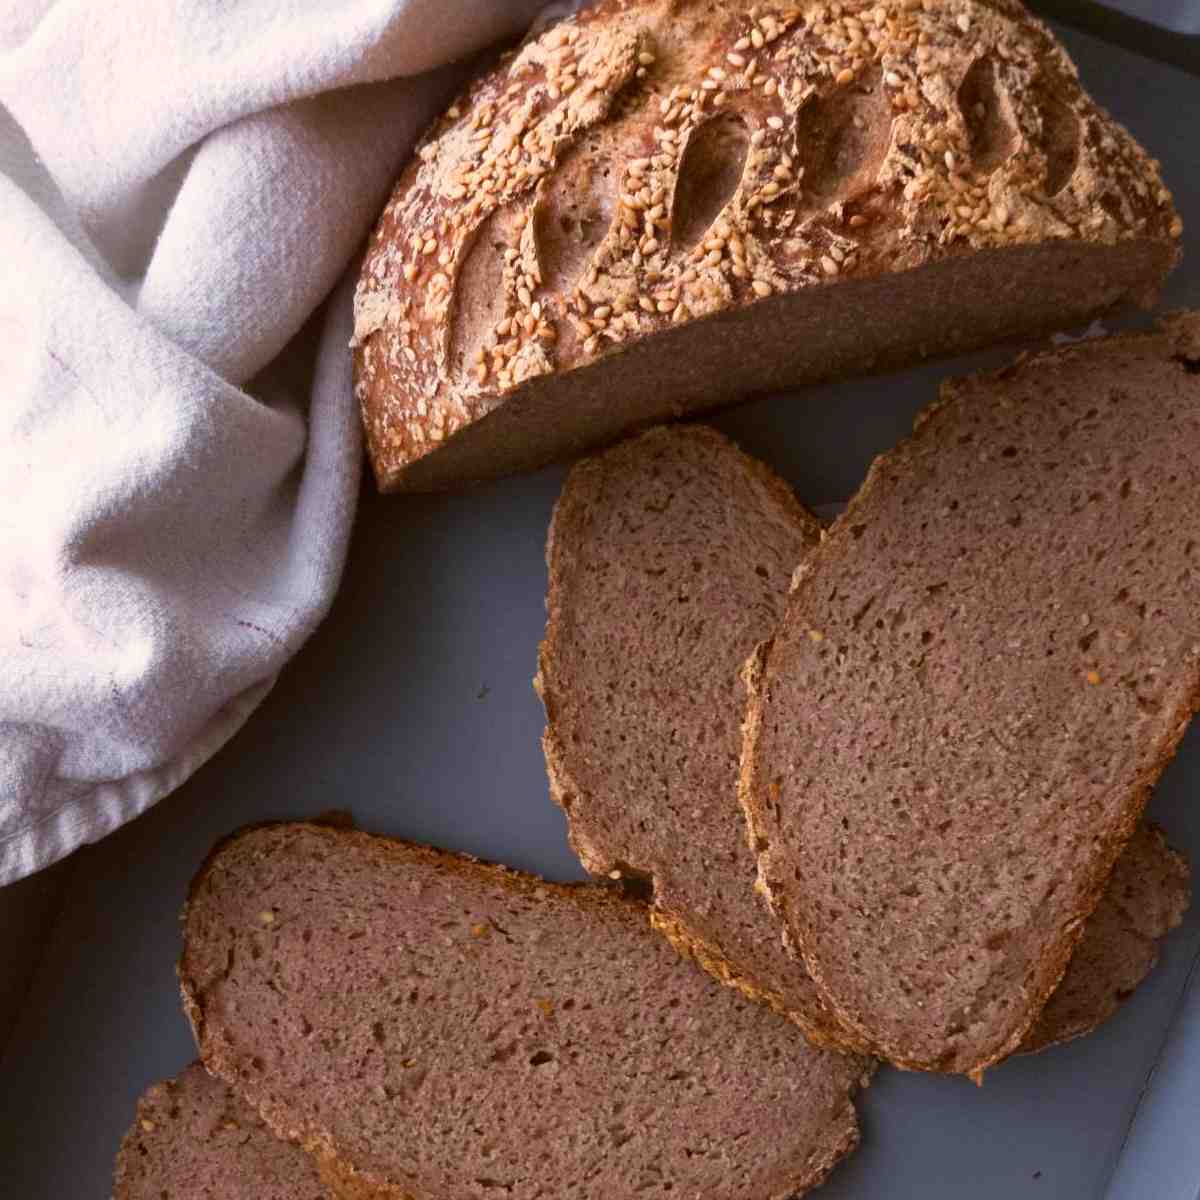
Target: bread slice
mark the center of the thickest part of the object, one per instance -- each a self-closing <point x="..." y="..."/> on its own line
<point x="196" y="1139"/>
<point x="670" y="558"/>
<point x="982" y="670"/>
<point x="429" y="1026"/>
<point x="658" y="207"/>
<point x="1148" y="892"/>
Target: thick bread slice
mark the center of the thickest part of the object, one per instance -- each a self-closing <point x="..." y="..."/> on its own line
<point x="660" y="206"/>
<point x="429" y="1026"/>
<point x="983" y="669"/>
<point x="669" y="559"/>
<point x="196" y="1139"/>
<point x="1148" y="892"/>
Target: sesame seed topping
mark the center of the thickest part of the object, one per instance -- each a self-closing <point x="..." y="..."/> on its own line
<point x="829" y="265"/>
<point x="761" y="287"/>
<point x="1093" y="677"/>
<point x="775" y="122"/>
<point x="964" y="22"/>
<point x="737" y="60"/>
<point x="844" y="76"/>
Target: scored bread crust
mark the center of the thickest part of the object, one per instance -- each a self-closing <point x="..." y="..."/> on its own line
<point x="349" y="1182"/>
<point x="647" y="164"/>
<point x="1181" y="334"/>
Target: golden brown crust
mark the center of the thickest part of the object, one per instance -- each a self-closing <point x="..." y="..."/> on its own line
<point x="1183" y="330"/>
<point x="962" y="123"/>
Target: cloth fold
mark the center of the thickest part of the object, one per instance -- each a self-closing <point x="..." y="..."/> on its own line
<point x="181" y="185"/>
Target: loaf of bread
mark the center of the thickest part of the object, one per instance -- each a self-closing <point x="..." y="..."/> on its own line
<point x="659" y="206"/>
<point x="194" y="1138"/>
<point x="982" y="670"/>
<point x="430" y="1027"/>
<point x="670" y="558"/>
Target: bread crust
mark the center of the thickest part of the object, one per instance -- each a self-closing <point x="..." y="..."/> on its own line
<point x="648" y="164"/>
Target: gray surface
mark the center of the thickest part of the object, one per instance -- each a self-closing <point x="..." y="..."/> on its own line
<point x="1180" y="16"/>
<point x="412" y="707"/>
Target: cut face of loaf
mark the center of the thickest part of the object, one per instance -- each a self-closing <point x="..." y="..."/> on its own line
<point x="670" y="558"/>
<point x="981" y="672"/>
<point x="428" y="1026"/>
<point x="196" y="1139"/>
<point x="657" y="207"/>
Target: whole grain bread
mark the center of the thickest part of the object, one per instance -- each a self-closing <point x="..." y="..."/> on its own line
<point x="660" y="206"/>
<point x="194" y="1138"/>
<point x="982" y="670"/>
<point x="670" y="558"/>
<point x="429" y="1026"/>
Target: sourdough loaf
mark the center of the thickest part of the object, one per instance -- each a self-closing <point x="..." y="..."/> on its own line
<point x="659" y="206"/>
<point x="669" y="559"/>
<point x="429" y="1026"/>
<point x="196" y="1139"/>
<point x="982" y="670"/>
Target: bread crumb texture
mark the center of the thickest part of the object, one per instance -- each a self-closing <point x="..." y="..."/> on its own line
<point x="646" y="163"/>
<point x="941" y="786"/>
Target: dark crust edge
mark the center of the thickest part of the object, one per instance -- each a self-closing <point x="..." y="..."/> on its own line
<point x="1181" y="328"/>
<point x="345" y="1180"/>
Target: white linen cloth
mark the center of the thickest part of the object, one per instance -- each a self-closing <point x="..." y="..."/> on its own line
<point x="181" y="183"/>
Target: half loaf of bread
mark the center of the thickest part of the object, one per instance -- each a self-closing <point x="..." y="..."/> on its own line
<point x="660" y="206"/>
<point x="429" y="1026"/>
<point x="670" y="558"/>
<point x="982" y="670"/>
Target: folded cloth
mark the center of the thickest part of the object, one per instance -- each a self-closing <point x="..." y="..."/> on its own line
<point x="181" y="185"/>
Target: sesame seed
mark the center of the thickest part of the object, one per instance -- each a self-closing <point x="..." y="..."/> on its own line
<point x="410" y="272"/>
<point x="949" y="159"/>
<point x="716" y="72"/>
<point x="665" y="306"/>
<point x="523" y="294"/>
<point x="964" y="22"/>
<point x="1177" y="227"/>
<point x="816" y="635"/>
<point x="857" y="221"/>
<point x="149" y="1125"/>
<point x="646" y="59"/>
<point x="1093" y="677"/>
<point x="782" y="172"/>
<point x="646" y="304"/>
<point x="761" y="287"/>
<point x="892" y="79"/>
<point x="775" y="122"/>
<point x="770" y="189"/>
<point x="756" y="38"/>
<point x="829" y="265"/>
<point x="591" y="345"/>
<point x="430" y="246"/>
<point x="757" y="137"/>
<point x="771" y="86"/>
<point x="736" y="60"/>
<point x="844" y="76"/>
<point x="267" y="917"/>
<point x="454" y="112"/>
